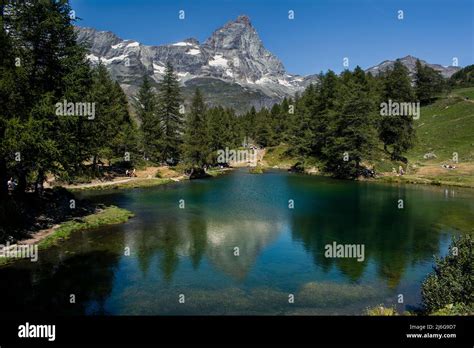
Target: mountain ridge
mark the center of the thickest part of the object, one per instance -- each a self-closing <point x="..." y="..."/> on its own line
<point x="232" y="65"/>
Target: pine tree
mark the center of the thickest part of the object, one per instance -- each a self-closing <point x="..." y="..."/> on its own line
<point x="302" y="133"/>
<point x="249" y="121"/>
<point x="428" y="83"/>
<point x="196" y="142"/>
<point x="111" y="117"/>
<point x="220" y="130"/>
<point x="323" y="109"/>
<point x="397" y="131"/>
<point x="49" y="59"/>
<point x="11" y="99"/>
<point x="172" y="121"/>
<point x="352" y="136"/>
<point x="264" y="133"/>
<point x="125" y="140"/>
<point x="151" y="129"/>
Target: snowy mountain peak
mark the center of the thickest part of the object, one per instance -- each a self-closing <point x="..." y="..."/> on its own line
<point x="232" y="65"/>
<point x="233" y="54"/>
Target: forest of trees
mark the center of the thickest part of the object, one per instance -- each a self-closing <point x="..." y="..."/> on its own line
<point x="41" y="65"/>
<point x="336" y="120"/>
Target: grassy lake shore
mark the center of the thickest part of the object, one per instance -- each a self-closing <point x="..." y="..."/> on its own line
<point x="49" y="237"/>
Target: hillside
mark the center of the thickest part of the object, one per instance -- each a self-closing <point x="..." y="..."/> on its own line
<point x="444" y="127"/>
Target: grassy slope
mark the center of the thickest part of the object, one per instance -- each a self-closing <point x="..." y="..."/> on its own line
<point x="276" y="156"/>
<point x="445" y="127"/>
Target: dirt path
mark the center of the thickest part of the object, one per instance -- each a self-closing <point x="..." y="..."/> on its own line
<point x="96" y="184"/>
<point x="39" y="236"/>
<point x="146" y="174"/>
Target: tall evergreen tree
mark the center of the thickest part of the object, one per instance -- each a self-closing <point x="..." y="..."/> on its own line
<point x="302" y="135"/>
<point x="352" y="136"/>
<point x="264" y="132"/>
<point x="151" y="129"/>
<point x="111" y="119"/>
<point x="220" y="129"/>
<point x="397" y="132"/>
<point x="196" y="142"/>
<point x="172" y="121"/>
<point x="428" y="83"/>
<point x="46" y="53"/>
<point x="250" y="119"/>
<point x="323" y="109"/>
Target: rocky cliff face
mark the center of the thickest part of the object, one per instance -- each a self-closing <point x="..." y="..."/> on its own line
<point x="232" y="64"/>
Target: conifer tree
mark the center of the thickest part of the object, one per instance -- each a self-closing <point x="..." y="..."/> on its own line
<point x="352" y="137"/>
<point x="428" y="83"/>
<point x="151" y="129"/>
<point x="397" y="132"/>
<point x="264" y="133"/>
<point x="302" y="133"/>
<point x="196" y="142"/>
<point x="172" y="121"/>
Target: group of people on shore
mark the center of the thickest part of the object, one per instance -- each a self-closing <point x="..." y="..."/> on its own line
<point x="400" y="171"/>
<point x="448" y="166"/>
<point x="131" y="173"/>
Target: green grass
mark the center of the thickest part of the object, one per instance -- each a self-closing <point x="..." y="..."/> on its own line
<point x="277" y="156"/>
<point x="381" y="310"/>
<point x="449" y="310"/>
<point x="459" y="181"/>
<point x="108" y="216"/>
<point x="445" y="127"/>
<point x="465" y="92"/>
<point x="216" y="172"/>
<point x="125" y="185"/>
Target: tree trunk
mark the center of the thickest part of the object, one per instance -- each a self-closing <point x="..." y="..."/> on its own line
<point x="39" y="184"/>
<point x="3" y="178"/>
<point x="21" y="188"/>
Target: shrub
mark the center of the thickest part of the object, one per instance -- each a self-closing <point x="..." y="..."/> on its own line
<point x="452" y="281"/>
<point x="381" y="310"/>
<point x="256" y="170"/>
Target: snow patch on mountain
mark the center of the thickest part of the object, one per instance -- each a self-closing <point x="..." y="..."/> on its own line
<point x="218" y="60"/>
<point x="193" y="51"/>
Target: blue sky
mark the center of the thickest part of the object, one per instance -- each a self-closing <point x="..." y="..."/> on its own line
<point x="322" y="33"/>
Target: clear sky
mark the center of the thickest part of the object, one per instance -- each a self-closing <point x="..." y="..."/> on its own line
<point x="322" y="33"/>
